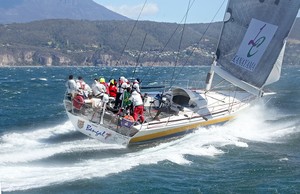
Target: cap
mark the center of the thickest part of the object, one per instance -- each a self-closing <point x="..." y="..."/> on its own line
<point x="122" y="78"/>
<point x="101" y="80"/>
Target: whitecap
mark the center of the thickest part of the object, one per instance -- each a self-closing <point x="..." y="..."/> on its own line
<point x="283" y="159"/>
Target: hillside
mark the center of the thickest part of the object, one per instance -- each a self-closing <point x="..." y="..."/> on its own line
<point x="20" y="11"/>
<point x="97" y="43"/>
<point x="72" y="42"/>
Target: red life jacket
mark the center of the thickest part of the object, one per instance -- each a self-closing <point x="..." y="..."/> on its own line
<point x="113" y="91"/>
<point x="78" y="102"/>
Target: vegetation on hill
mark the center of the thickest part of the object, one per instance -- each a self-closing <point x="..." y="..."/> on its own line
<point x="93" y="43"/>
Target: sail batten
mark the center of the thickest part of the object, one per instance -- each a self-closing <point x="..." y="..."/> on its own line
<point x="253" y="38"/>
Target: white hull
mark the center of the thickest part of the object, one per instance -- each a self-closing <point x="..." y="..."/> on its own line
<point x="204" y="109"/>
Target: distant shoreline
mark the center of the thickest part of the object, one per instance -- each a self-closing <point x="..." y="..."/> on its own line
<point x="100" y="66"/>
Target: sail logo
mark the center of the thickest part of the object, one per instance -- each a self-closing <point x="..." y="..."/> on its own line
<point x="255" y="42"/>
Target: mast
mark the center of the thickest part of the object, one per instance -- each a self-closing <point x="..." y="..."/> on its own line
<point x="210" y="75"/>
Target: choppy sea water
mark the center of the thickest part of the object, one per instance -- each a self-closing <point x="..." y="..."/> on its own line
<point x="41" y="152"/>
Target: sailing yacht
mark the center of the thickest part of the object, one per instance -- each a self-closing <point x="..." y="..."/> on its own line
<point x="249" y="57"/>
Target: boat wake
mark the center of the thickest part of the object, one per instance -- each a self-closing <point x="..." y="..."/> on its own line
<point x="60" y="154"/>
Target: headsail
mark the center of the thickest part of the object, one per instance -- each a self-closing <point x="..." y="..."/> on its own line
<point x="252" y="39"/>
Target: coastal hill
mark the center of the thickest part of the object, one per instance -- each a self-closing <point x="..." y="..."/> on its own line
<point x="95" y="43"/>
<point x="108" y="43"/>
<point x="73" y="33"/>
<point x="20" y="11"/>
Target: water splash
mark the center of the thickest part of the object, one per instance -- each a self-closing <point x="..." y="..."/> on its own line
<point x="20" y="151"/>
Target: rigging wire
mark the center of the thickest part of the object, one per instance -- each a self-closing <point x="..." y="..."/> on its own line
<point x="138" y="58"/>
<point x="204" y="33"/>
<point x="180" y="43"/>
<point x="169" y="40"/>
<point x="134" y="26"/>
<point x="198" y="43"/>
<point x="179" y="47"/>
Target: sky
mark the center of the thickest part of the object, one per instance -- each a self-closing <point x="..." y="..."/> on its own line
<point x="201" y="11"/>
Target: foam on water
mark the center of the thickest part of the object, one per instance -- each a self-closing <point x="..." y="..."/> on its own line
<point x="29" y="146"/>
<point x="259" y="124"/>
<point x="18" y="150"/>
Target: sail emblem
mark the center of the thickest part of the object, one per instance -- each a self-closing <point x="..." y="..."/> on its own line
<point x="255" y="42"/>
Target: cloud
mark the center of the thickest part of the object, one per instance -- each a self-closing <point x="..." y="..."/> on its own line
<point x="133" y="11"/>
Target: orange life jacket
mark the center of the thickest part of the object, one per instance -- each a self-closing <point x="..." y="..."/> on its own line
<point x="129" y="118"/>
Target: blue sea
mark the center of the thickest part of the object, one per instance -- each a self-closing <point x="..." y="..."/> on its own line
<point x="41" y="152"/>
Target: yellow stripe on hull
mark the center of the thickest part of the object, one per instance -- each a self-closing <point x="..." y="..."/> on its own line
<point x="179" y="129"/>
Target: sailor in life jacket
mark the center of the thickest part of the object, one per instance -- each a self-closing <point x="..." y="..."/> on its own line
<point x="136" y="86"/>
<point x="83" y="88"/>
<point x="125" y="97"/>
<point x="71" y="87"/>
<point x="102" y="81"/>
<point x="113" y="88"/>
<point x="98" y="89"/>
<point x="138" y="110"/>
<point x="120" y="91"/>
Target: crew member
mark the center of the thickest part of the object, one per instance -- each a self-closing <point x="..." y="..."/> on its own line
<point x="71" y="87"/>
<point x="138" y="106"/>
